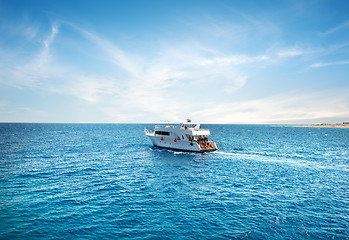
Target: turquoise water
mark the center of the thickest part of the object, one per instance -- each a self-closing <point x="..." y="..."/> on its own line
<point x="106" y="181"/>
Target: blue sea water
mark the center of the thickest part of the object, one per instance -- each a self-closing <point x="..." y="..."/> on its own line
<point x="106" y="181"/>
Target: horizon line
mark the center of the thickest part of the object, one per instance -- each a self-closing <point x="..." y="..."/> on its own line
<point x="306" y="124"/>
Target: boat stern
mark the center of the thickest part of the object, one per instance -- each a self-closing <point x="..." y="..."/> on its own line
<point x="208" y="146"/>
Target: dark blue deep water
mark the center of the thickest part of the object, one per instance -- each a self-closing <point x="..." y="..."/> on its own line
<point x="106" y="181"/>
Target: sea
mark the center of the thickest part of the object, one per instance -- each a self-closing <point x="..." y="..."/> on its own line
<point x="106" y="181"/>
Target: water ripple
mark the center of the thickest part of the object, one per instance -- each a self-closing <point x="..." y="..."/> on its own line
<point x="64" y="181"/>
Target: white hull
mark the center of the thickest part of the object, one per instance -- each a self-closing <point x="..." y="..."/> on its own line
<point x="181" y="138"/>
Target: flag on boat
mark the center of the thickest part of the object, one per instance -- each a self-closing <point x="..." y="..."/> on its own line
<point x="188" y="120"/>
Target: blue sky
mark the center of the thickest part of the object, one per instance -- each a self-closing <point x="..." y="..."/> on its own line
<point x="150" y="61"/>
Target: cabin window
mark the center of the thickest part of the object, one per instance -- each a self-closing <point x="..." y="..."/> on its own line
<point x="190" y="137"/>
<point x="162" y="133"/>
<point x="182" y="137"/>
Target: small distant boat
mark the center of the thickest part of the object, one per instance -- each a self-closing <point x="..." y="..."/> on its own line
<point x="183" y="137"/>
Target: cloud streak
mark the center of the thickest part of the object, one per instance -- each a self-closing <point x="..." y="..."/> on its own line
<point x="293" y="52"/>
<point x="337" y="28"/>
<point x="32" y="70"/>
<point x="287" y="108"/>
<point x="327" y="64"/>
<point x="200" y="75"/>
<point x="164" y="83"/>
<point x="49" y="40"/>
<point x="115" y="54"/>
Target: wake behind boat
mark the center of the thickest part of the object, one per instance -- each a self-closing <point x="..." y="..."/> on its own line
<point x="184" y="137"/>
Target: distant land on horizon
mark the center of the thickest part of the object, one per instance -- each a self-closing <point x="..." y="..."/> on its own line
<point x="329" y="125"/>
<point x="325" y="125"/>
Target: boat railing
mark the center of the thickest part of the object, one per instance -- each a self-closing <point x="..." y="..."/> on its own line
<point x="164" y="126"/>
<point x="196" y="127"/>
<point x="200" y="129"/>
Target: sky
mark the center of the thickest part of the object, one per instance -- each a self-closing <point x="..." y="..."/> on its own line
<point x="147" y="61"/>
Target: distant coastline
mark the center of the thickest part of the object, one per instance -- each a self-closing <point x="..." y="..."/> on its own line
<point x="329" y="125"/>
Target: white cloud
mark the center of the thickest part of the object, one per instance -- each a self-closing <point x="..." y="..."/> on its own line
<point x="233" y="60"/>
<point x="33" y="70"/>
<point x="89" y="88"/>
<point x="115" y="54"/>
<point x="170" y="85"/>
<point x="30" y="32"/>
<point x="49" y="40"/>
<point x="337" y="28"/>
<point x="292" y="52"/>
<point x="180" y="80"/>
<point x="326" y="64"/>
<point x="239" y="82"/>
<point x="165" y="84"/>
<point x="287" y="108"/>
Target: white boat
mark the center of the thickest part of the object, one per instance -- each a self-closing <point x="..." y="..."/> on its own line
<point x="184" y="137"/>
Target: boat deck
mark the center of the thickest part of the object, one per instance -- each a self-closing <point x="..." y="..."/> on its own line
<point x="208" y="146"/>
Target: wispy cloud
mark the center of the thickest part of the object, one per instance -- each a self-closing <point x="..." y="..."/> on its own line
<point x="160" y="84"/>
<point x="49" y="40"/>
<point x="337" y="28"/>
<point x="183" y="78"/>
<point x="326" y="64"/>
<point x="233" y="60"/>
<point x="115" y="54"/>
<point x="238" y="83"/>
<point x="291" y="107"/>
<point x="33" y="69"/>
<point x="291" y="52"/>
<point x="163" y="83"/>
<point x="89" y="88"/>
<point x="23" y="27"/>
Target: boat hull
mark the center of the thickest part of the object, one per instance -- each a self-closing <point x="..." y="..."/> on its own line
<point x="179" y="145"/>
<point x="181" y="150"/>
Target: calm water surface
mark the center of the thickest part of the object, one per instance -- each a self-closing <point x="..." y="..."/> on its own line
<point x="106" y="181"/>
